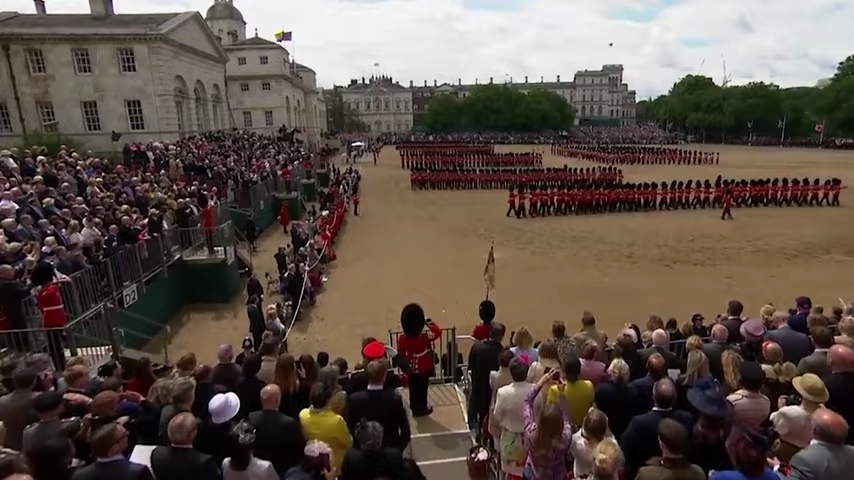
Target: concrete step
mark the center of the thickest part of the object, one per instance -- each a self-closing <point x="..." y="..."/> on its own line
<point x="431" y="447"/>
<point x="451" y="469"/>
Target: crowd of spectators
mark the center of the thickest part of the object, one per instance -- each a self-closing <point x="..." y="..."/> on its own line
<point x="741" y="398"/>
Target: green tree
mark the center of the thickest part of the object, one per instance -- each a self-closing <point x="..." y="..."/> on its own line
<point x="499" y="108"/>
<point x="342" y="119"/>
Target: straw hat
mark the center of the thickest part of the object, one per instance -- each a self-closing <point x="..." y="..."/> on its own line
<point x="810" y="387"/>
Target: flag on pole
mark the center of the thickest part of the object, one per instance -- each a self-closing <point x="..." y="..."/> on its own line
<point x="819" y="127"/>
<point x="750" y="124"/>
<point x="781" y="123"/>
<point x="376" y="64"/>
<point x="284" y="36"/>
<point x="489" y="270"/>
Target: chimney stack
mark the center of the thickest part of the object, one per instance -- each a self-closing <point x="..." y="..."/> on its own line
<point x="40" y="8"/>
<point x="425" y="83"/>
<point x="101" y="8"/>
<point x="459" y="81"/>
<point x="475" y="81"/>
<point x="541" y="79"/>
<point x="411" y="84"/>
<point x="526" y="79"/>
<point x="490" y="80"/>
<point x="558" y="79"/>
<point x="435" y="83"/>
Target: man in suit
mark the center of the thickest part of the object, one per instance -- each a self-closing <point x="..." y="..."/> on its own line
<point x="642" y="387"/>
<point x="661" y="346"/>
<point x="108" y="443"/>
<point x="798" y="321"/>
<point x="16" y="408"/>
<point x="733" y="321"/>
<point x="380" y="405"/>
<point x="827" y="456"/>
<point x="180" y="461"/>
<point x="816" y="362"/>
<point x="795" y="345"/>
<point x="483" y="359"/>
<point x="840" y="384"/>
<point x="714" y="350"/>
<point x="640" y="440"/>
<point x="226" y="372"/>
<point x="278" y="438"/>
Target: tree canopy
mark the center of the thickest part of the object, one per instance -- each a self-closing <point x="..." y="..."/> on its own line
<point x="499" y="108"/>
<point x="342" y="120"/>
<point x="696" y="105"/>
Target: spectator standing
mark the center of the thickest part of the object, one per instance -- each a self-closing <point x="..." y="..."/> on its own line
<point x="293" y="397"/>
<point x="16" y="408"/>
<point x="143" y="377"/>
<point x="594" y="430"/>
<point x="613" y="396"/>
<point x="249" y="387"/>
<point x="547" y="361"/>
<point x="240" y="463"/>
<point x="778" y="375"/>
<point x="257" y="324"/>
<point x="268" y="350"/>
<point x="52" y="460"/>
<point x="183" y="397"/>
<point x="661" y="346"/>
<point x="640" y="440"/>
<point x="226" y="372"/>
<point x="711" y="429"/>
<point x="501" y="377"/>
<point x="674" y="442"/>
<point x="50" y="409"/>
<point x="380" y="405"/>
<point x="816" y="362"/>
<point x="329" y="376"/>
<point x="278" y="437"/>
<point x="507" y="424"/>
<point x="108" y="443"/>
<point x="320" y="423"/>
<point x="795" y="345"/>
<point x="747" y="449"/>
<point x="798" y="320"/>
<point x="578" y="392"/>
<point x="827" y="456"/>
<point x="524" y="346"/>
<point x="626" y="349"/>
<point x="591" y="368"/>
<point x="12" y="294"/>
<point x="840" y="384"/>
<point x="179" y="460"/>
<point x="371" y="459"/>
<point x="733" y="321"/>
<point x="714" y="350"/>
<point x="750" y="407"/>
<point x="846" y="332"/>
<point x="216" y="426"/>
<point x="548" y="433"/>
<point x="656" y="370"/>
<point x="590" y="332"/>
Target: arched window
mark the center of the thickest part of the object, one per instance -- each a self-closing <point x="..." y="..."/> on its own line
<point x="386" y="104"/>
<point x="397" y="104"/>
<point x="376" y="103"/>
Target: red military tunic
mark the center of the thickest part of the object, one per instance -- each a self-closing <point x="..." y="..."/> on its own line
<point x="50" y="306"/>
<point x="418" y="350"/>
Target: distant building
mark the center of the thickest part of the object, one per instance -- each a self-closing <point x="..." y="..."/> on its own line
<point x="266" y="89"/>
<point x="147" y="76"/>
<point x="381" y="103"/>
<point x="599" y="96"/>
<point x="158" y="76"/>
<point x="823" y="82"/>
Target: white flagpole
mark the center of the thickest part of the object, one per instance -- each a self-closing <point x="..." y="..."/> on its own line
<point x="821" y="134"/>
<point x="783" y="132"/>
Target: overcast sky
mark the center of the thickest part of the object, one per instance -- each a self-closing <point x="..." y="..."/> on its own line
<point x="659" y="41"/>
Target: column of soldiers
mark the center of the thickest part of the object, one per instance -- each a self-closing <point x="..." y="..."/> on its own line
<point x="636" y="155"/>
<point x="599" y="196"/>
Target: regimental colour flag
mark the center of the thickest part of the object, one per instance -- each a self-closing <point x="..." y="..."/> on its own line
<point x="819" y="127"/>
<point x="284" y="36"/>
<point x="781" y="123"/>
<point x="489" y="270"/>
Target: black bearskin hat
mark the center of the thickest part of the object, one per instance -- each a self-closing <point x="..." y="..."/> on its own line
<point x="42" y="274"/>
<point x="486" y="311"/>
<point x="412" y="319"/>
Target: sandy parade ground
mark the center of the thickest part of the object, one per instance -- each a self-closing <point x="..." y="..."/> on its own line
<point x="430" y="247"/>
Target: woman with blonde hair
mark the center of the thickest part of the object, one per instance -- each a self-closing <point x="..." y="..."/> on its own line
<point x="613" y="396"/>
<point x="846" y="332"/>
<point x="766" y="313"/>
<point x="594" y="430"/>
<point x="524" y="349"/>
<point x="697" y="368"/>
<point x="654" y="323"/>
<point x="328" y="376"/>
<point x="186" y="365"/>
<point x="607" y="460"/>
<point x="730" y="364"/>
<point x="548" y="432"/>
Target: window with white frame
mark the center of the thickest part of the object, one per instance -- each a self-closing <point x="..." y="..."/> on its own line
<point x="397" y="105"/>
<point x="82" y="62"/>
<point x="47" y="116"/>
<point x="136" y="119"/>
<point x="244" y="87"/>
<point x="91" y="118"/>
<point x="264" y="60"/>
<point x="241" y="60"/>
<point x="5" y="119"/>
<point x="127" y="60"/>
<point x="35" y="59"/>
<point x="268" y="118"/>
<point x="406" y="105"/>
<point x="247" y="119"/>
<point x="265" y="86"/>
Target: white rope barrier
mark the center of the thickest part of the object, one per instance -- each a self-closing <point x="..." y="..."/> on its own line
<point x="304" y="284"/>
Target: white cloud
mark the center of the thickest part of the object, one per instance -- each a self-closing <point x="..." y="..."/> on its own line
<point x="786" y="42"/>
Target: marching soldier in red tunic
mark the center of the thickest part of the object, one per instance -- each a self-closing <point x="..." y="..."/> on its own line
<point x="416" y="346"/>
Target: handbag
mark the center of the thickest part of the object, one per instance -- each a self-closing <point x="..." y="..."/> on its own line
<point x="478" y="462"/>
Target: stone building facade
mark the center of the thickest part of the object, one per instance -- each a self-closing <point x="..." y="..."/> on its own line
<point x="381" y="103"/>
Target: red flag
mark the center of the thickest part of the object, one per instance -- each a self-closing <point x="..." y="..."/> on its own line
<point x="819" y="127"/>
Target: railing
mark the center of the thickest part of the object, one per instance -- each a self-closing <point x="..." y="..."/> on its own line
<point x="446" y="356"/>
